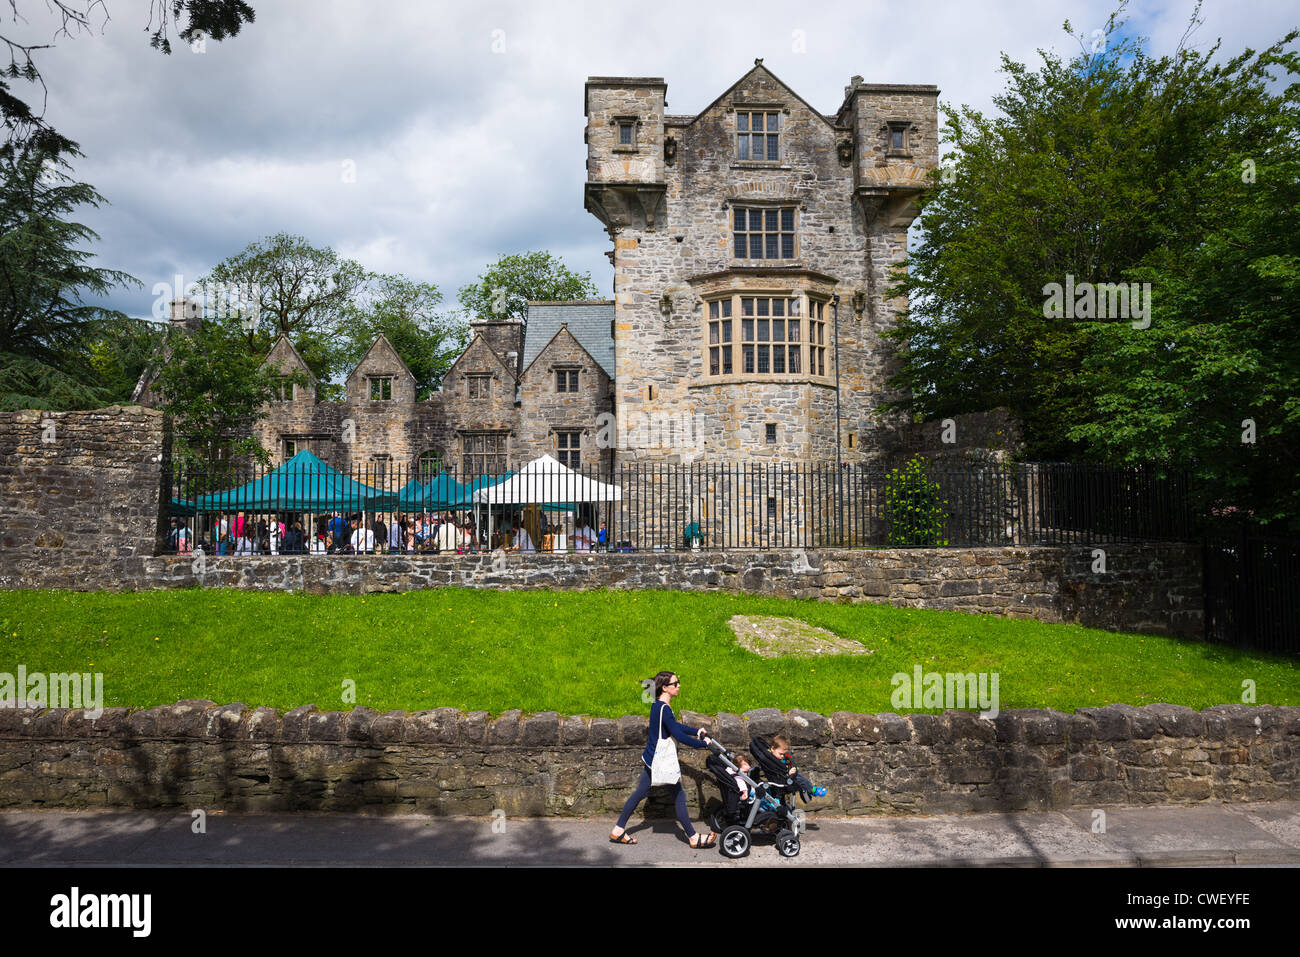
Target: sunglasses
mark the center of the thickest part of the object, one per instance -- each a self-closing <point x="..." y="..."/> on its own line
<point x="671" y="683"/>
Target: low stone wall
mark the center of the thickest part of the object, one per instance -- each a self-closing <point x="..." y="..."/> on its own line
<point x="81" y="498"/>
<point x="197" y="755"/>
<point x="1149" y="587"/>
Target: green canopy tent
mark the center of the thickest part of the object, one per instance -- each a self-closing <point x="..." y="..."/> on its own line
<point x="302" y="484"/>
<point x="444" y="492"/>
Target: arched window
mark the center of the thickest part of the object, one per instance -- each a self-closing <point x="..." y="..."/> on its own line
<point x="430" y="465"/>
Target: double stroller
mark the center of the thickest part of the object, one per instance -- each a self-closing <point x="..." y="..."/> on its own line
<point x="769" y="809"/>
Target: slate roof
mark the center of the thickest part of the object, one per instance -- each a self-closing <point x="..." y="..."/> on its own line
<point x="591" y="322"/>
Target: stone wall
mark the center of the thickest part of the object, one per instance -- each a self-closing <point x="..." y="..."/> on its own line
<point x="975" y="437"/>
<point x="197" y="755"/>
<point x="1155" y="588"/>
<point x="81" y="498"/>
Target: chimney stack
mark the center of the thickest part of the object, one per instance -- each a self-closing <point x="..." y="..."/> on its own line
<point x="186" y="313"/>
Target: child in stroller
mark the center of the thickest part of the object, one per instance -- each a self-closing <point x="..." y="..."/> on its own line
<point x="781" y="751"/>
<point x="769" y="807"/>
<point x="734" y="785"/>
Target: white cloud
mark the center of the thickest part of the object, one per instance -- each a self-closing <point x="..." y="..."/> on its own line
<point x="463" y="154"/>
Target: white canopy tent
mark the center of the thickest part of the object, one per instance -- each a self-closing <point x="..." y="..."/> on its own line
<point x="546" y="482"/>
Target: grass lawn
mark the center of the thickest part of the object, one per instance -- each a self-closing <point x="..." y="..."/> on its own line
<point x="584" y="652"/>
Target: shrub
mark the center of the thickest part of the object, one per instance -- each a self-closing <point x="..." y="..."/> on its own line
<point x="914" y="507"/>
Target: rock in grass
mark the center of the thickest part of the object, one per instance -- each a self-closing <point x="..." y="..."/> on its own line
<point x="774" y="637"/>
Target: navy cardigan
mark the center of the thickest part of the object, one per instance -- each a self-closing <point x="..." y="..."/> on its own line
<point x="683" y="733"/>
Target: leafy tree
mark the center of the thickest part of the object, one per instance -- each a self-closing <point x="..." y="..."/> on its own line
<point x="191" y="19"/>
<point x="44" y="278"/>
<point x="118" y="350"/>
<point x="506" y="287"/>
<point x="405" y="312"/>
<point x="214" y="389"/>
<point x="302" y="292"/>
<point x="1215" y="390"/>
<point x="1120" y="167"/>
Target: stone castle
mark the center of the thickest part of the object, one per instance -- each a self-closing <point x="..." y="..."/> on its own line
<point x="752" y="246"/>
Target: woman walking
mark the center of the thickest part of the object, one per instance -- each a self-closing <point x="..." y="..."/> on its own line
<point x="660" y="760"/>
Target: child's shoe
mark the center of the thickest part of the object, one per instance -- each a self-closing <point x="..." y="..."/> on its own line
<point x="819" y="792"/>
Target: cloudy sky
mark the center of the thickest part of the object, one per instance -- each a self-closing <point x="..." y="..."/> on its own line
<point x="428" y="138"/>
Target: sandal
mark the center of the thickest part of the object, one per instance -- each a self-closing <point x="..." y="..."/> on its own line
<point x="711" y="840"/>
<point x="622" y="839"/>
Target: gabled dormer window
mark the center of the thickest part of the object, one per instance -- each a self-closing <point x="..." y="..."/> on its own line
<point x="381" y="388"/>
<point x="566" y="380"/>
<point x="758" y="135"/>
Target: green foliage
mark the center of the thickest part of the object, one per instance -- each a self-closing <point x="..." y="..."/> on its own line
<point x="405" y="312"/>
<point x="1118" y="166"/>
<point x="45" y="324"/>
<point x="119" y="349"/>
<point x="26" y="383"/>
<point x="214" y="389"/>
<point x="1225" y="351"/>
<point x="506" y="287"/>
<point x="914" y="507"/>
<point x="303" y="292"/>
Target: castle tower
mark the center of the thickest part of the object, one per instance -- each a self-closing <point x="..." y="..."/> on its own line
<point x="741" y="235"/>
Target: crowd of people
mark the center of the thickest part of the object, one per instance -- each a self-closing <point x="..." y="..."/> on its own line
<point x="337" y="533"/>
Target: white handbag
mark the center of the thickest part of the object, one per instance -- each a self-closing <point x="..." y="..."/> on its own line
<point x="664" y="768"/>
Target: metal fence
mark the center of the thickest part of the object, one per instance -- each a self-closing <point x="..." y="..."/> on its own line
<point x="1252" y="591"/>
<point x="654" y="507"/>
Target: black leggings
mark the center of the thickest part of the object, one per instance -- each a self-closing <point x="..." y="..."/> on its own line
<point x="643" y="791"/>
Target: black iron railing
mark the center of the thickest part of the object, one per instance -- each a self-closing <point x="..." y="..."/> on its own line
<point x="1252" y="590"/>
<point x="312" y="508"/>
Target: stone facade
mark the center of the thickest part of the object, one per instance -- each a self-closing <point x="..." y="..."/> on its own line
<point x="196" y="754"/>
<point x="81" y="496"/>
<point x="491" y="412"/>
<point x="673" y="192"/>
<point x="545" y="412"/>
<point x="676" y="194"/>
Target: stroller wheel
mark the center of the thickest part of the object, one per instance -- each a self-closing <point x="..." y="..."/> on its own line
<point x="787" y="842"/>
<point x="735" y="841"/>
